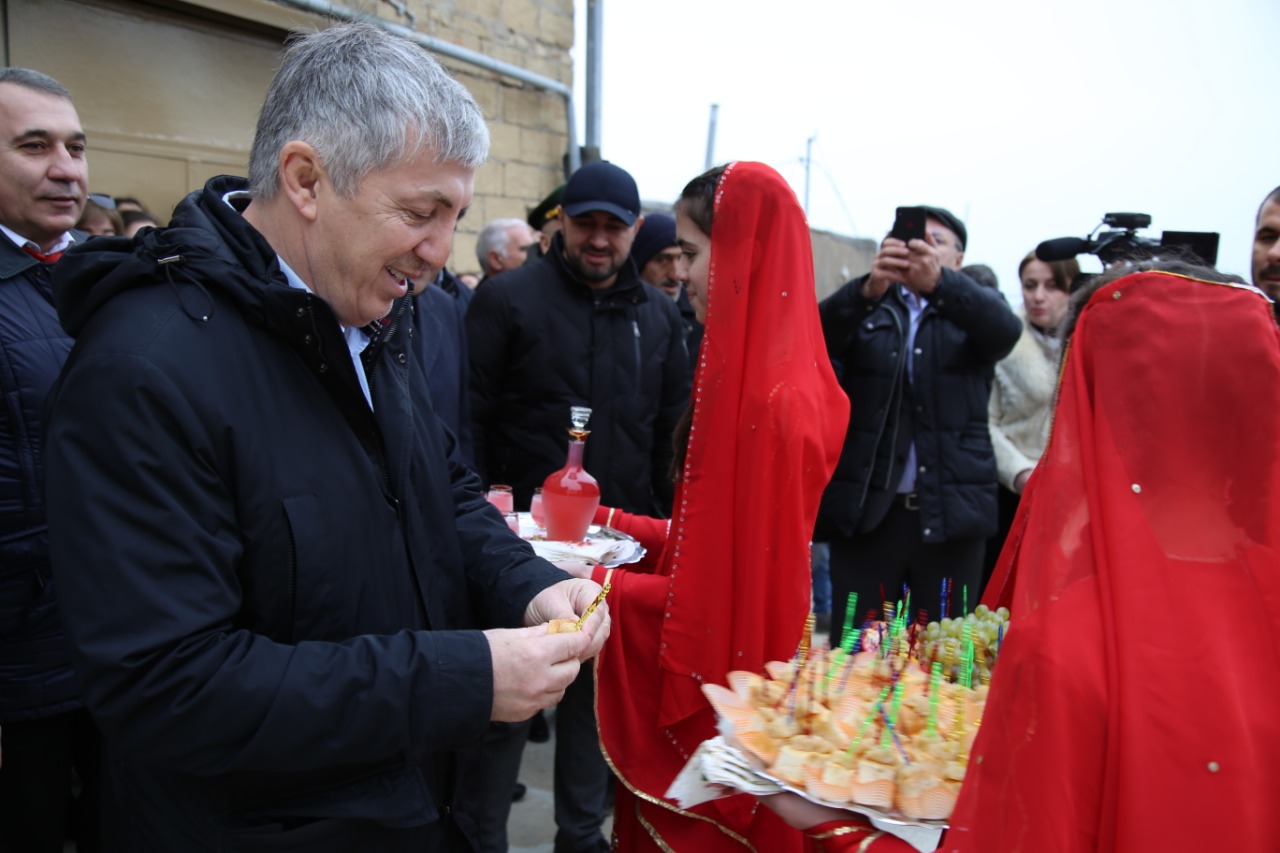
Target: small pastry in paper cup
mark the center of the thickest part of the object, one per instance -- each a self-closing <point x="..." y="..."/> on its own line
<point x="795" y="753"/>
<point x="780" y="670"/>
<point x="728" y="704"/>
<point x="924" y="792"/>
<point x="747" y="685"/>
<point x="833" y="782"/>
<point x="834" y="731"/>
<point x="875" y="783"/>
<point x="765" y="743"/>
<point x="934" y="747"/>
<point x="913" y="715"/>
<point x="759" y="745"/>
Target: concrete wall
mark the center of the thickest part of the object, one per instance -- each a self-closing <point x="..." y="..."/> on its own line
<point x="168" y="92"/>
<point x="837" y="259"/>
<point x="529" y="126"/>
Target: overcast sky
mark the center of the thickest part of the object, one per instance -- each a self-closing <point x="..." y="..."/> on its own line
<point x="1027" y="119"/>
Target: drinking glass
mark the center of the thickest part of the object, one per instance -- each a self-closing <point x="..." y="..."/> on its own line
<point x="535" y="510"/>
<point x="501" y="497"/>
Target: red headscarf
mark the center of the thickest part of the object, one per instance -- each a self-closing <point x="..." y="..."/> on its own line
<point x="733" y="590"/>
<point x="1137" y="701"/>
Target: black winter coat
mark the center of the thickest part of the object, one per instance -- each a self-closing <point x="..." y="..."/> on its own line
<point x="541" y="341"/>
<point x="440" y="342"/>
<point x="964" y="330"/>
<point x="271" y="585"/>
<point x="36" y="679"/>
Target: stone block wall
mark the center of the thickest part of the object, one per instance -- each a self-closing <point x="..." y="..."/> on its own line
<point x="528" y="125"/>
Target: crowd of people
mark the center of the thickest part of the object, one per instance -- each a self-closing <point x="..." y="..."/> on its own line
<point x="253" y="596"/>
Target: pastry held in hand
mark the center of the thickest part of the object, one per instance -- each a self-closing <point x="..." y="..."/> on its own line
<point x="563" y="626"/>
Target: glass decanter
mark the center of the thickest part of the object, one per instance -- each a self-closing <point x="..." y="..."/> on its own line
<point x="570" y="496"/>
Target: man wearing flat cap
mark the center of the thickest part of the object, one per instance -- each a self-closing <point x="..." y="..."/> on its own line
<point x="657" y="256"/>
<point x="545" y="219"/>
<point x="578" y="327"/>
<point x="913" y="498"/>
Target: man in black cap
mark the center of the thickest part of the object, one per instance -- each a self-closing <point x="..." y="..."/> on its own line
<point x="657" y="256"/>
<point x="913" y="498"/>
<point x="578" y="327"/>
<point x="545" y="219"/>
<point x="1266" y="248"/>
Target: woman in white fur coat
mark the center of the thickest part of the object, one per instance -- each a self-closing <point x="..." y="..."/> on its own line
<point x="1021" y="406"/>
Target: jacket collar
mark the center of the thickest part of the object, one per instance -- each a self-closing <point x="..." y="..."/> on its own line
<point x="14" y="261"/>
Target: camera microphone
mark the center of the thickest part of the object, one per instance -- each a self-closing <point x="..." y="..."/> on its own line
<point x="1063" y="248"/>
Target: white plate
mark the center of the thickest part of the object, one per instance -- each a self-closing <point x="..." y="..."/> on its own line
<point x="603" y="545"/>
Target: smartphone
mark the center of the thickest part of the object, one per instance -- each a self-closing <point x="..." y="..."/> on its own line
<point x="908" y="224"/>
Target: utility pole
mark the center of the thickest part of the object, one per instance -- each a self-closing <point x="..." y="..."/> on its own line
<point x="808" y="163"/>
<point x="595" y="75"/>
<point x="711" y="137"/>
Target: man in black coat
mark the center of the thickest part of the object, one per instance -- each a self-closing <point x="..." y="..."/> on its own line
<point x="913" y="498"/>
<point x="287" y="599"/>
<point x="577" y="327"/>
<point x="657" y="256"/>
<point x="46" y="730"/>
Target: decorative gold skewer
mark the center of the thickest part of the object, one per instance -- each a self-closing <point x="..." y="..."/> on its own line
<point x="604" y="590"/>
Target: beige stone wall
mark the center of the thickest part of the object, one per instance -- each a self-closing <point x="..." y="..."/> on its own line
<point x="528" y="125"/>
<point x="151" y="139"/>
<point x="837" y="259"/>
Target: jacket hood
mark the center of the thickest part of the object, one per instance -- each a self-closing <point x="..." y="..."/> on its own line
<point x="206" y="235"/>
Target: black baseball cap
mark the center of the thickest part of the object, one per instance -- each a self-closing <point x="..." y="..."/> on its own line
<point x="602" y="186"/>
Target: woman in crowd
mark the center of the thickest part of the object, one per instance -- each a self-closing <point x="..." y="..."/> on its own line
<point x="1133" y="707"/>
<point x="133" y="221"/>
<point x="1021" y="405"/>
<point x="730" y="586"/>
<point x="97" y="220"/>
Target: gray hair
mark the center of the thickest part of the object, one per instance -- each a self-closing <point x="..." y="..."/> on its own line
<point x="366" y="100"/>
<point x="495" y="235"/>
<point x="35" y="81"/>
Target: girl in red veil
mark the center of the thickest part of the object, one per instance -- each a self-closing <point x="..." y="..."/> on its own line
<point x="1135" y="703"/>
<point x="730" y="588"/>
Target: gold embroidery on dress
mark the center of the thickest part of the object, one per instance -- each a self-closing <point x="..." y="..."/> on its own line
<point x="648" y="798"/>
<point x="841" y="830"/>
<point x="870" y="838"/>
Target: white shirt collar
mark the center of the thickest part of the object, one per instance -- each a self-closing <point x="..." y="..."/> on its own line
<point x="64" y="242"/>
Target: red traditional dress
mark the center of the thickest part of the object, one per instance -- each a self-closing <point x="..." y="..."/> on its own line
<point x="1135" y="704"/>
<point x="732" y="588"/>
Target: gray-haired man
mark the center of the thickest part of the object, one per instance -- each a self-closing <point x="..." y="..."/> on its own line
<point x="503" y="244"/>
<point x="276" y="566"/>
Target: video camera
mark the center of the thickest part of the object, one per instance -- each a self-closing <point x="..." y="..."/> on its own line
<point x="1123" y="243"/>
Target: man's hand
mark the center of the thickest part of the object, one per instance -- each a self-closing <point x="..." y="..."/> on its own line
<point x="569" y="600"/>
<point x="802" y="814"/>
<point x="531" y="669"/>
<point x="924" y="266"/>
<point x="891" y="265"/>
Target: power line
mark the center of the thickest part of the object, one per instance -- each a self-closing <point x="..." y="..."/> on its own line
<point x="853" y="228"/>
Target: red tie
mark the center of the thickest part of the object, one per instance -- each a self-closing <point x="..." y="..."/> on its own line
<point x="48" y="259"/>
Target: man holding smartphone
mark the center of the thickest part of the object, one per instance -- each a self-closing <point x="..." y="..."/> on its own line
<point x="913" y="498"/>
